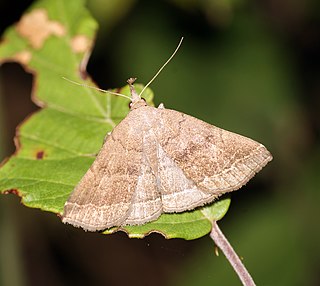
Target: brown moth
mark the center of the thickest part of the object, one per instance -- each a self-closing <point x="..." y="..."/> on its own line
<point x="156" y="161"/>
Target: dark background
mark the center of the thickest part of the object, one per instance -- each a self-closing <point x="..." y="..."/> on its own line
<point x="252" y="67"/>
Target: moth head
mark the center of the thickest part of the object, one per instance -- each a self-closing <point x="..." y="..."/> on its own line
<point x="136" y="100"/>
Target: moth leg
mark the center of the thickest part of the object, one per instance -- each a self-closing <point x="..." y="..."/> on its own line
<point x="105" y="137"/>
<point x="161" y="106"/>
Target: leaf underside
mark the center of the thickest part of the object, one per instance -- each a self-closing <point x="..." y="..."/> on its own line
<point x="57" y="144"/>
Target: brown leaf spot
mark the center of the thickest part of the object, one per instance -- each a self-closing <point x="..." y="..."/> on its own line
<point x="12" y="191"/>
<point x="36" y="27"/>
<point x="40" y="155"/>
<point x="23" y="57"/>
<point x="80" y="44"/>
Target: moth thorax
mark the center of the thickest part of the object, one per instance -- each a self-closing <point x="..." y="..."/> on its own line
<point x="137" y="104"/>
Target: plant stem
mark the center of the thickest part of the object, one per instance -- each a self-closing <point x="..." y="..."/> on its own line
<point x="221" y="241"/>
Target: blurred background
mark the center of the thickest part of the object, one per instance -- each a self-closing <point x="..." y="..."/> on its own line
<point x="252" y="67"/>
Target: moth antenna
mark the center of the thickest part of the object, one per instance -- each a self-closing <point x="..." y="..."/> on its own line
<point x="154" y="77"/>
<point x="97" y="88"/>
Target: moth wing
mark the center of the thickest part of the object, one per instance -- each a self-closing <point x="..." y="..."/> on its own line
<point x="216" y="161"/>
<point x="103" y="197"/>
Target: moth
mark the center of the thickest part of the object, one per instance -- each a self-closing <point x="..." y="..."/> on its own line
<point x="158" y="160"/>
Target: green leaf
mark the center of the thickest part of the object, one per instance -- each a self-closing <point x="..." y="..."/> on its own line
<point x="188" y="225"/>
<point x="57" y="144"/>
